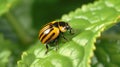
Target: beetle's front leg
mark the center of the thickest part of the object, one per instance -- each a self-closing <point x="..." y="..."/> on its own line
<point x="56" y="43"/>
<point x="64" y="37"/>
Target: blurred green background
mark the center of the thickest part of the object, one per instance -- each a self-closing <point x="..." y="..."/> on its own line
<point x="21" y="20"/>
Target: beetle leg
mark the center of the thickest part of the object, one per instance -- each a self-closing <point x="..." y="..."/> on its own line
<point x="46" y="48"/>
<point x="56" y="43"/>
<point x="71" y="31"/>
<point x="64" y="37"/>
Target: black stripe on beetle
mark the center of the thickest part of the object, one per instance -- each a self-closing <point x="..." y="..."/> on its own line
<point x="49" y="38"/>
<point x="45" y="34"/>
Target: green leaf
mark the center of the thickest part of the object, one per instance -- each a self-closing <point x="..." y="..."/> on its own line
<point x="107" y="52"/>
<point x="5" y="5"/>
<point x="4" y="57"/>
<point x="88" y="23"/>
<point x="39" y="58"/>
<point x="4" y="52"/>
<point x="8" y="51"/>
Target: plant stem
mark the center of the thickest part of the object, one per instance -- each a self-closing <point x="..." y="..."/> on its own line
<point x="20" y="31"/>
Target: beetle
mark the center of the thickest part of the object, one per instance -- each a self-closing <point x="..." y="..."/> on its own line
<point x="51" y="32"/>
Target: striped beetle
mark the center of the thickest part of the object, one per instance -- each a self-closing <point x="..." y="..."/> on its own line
<point x="51" y="31"/>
